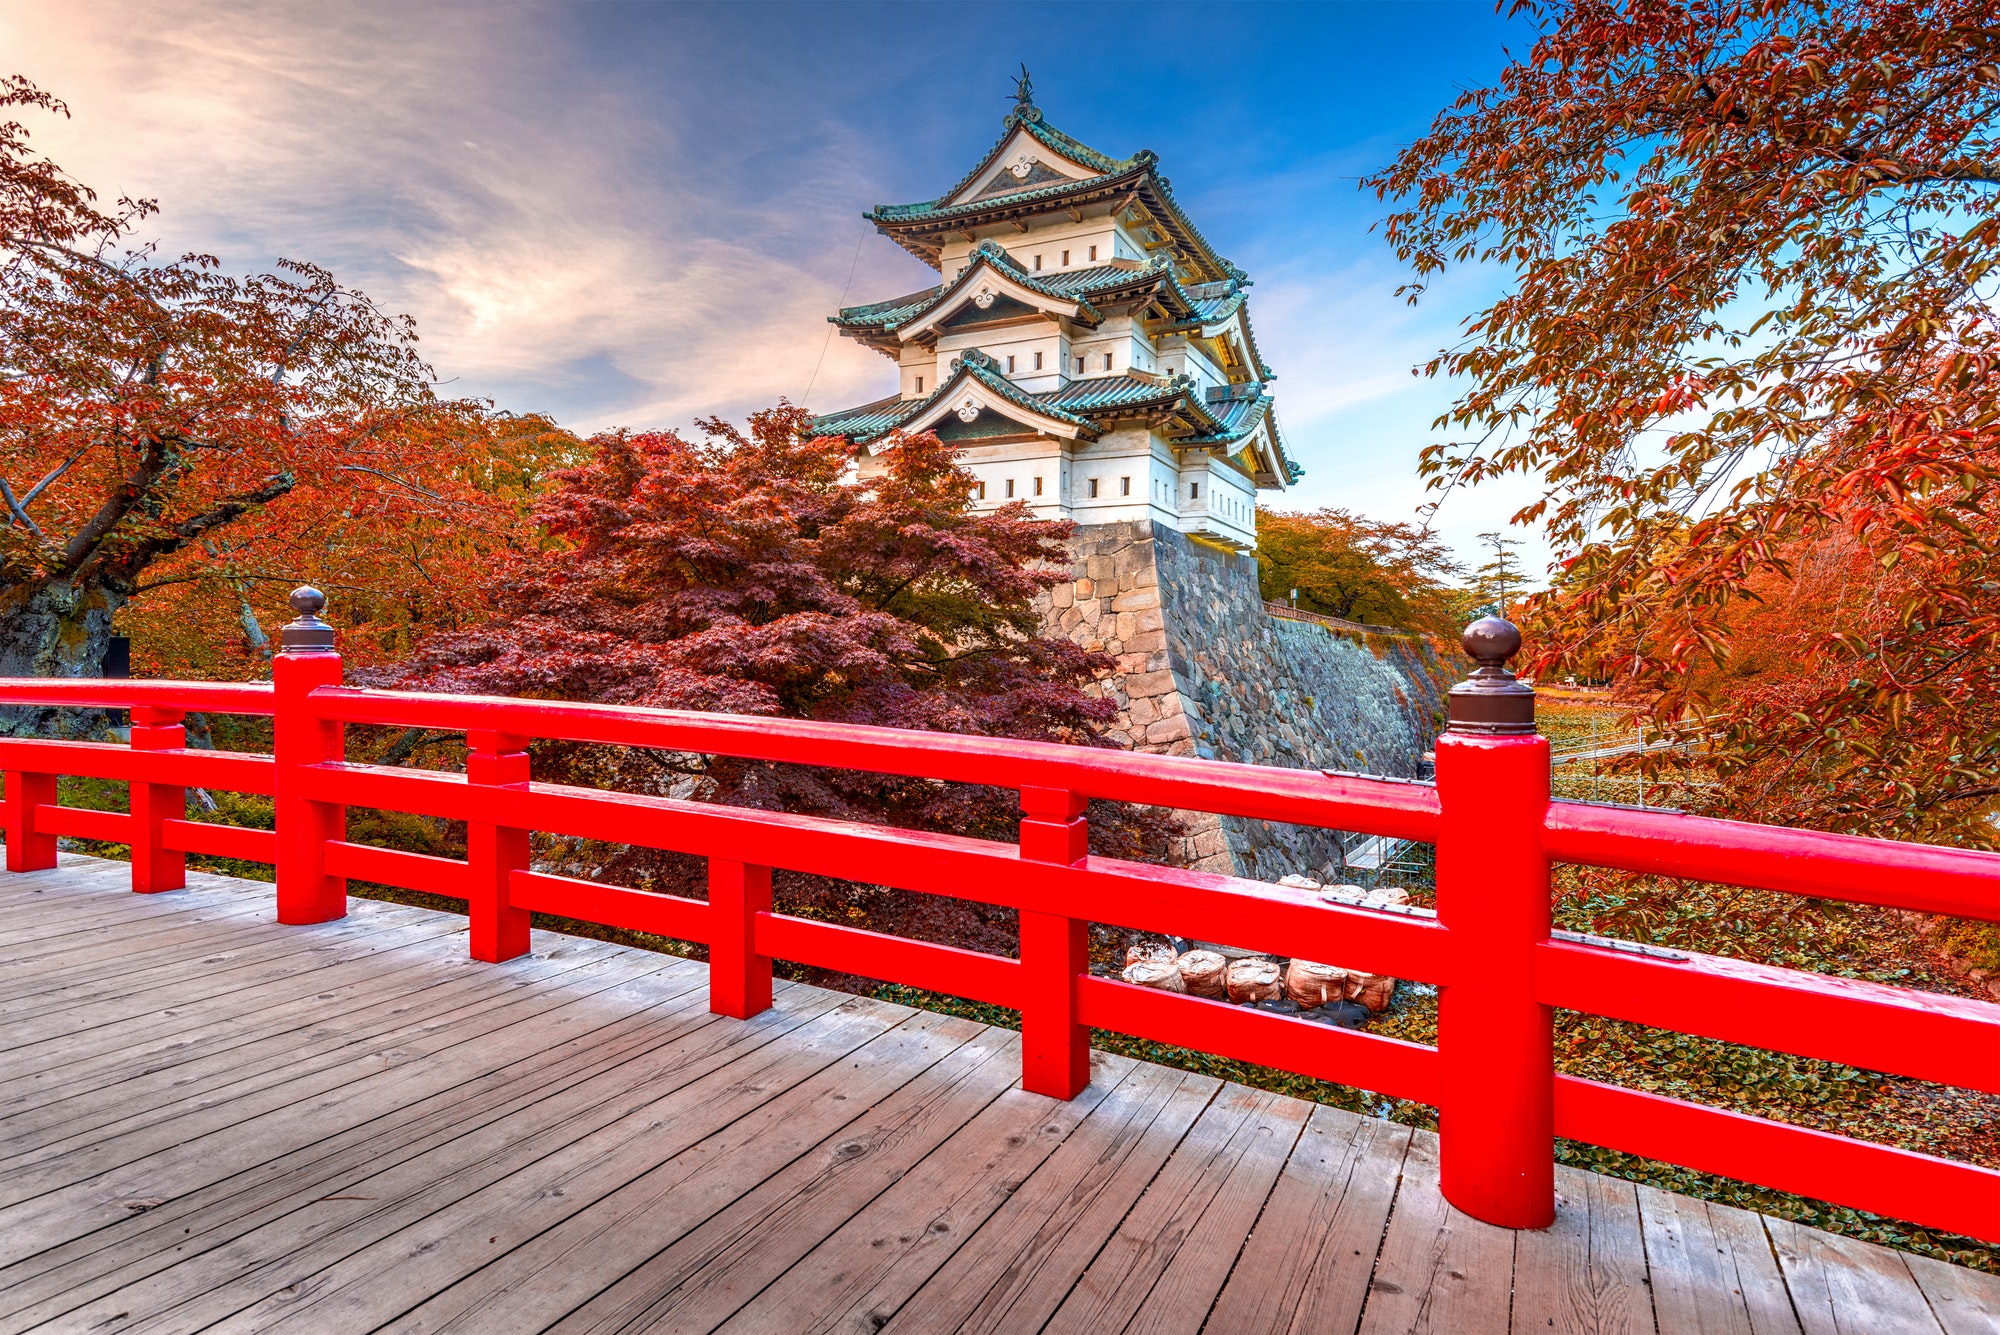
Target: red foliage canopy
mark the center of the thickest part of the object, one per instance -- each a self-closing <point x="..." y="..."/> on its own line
<point x="754" y="572"/>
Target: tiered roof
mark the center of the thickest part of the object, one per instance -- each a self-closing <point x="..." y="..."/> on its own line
<point x="921" y="228"/>
<point x="1173" y="306"/>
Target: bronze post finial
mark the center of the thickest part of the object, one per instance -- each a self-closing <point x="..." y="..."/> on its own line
<point x="1490" y="701"/>
<point x="307" y="634"/>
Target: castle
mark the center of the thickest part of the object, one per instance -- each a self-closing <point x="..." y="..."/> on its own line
<point x="1087" y="350"/>
<point x="1092" y="356"/>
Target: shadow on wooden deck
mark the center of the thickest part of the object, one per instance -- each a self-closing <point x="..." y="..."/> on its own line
<point x="209" y="1121"/>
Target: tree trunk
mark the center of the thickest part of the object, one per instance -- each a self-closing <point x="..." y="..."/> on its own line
<point x="54" y="627"/>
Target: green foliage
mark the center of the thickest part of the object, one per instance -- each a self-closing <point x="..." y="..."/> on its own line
<point x="1358" y="569"/>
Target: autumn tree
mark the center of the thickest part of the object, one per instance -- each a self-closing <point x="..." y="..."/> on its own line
<point x="752" y="572"/>
<point x="152" y="408"/>
<point x="1749" y="335"/>
<point x="395" y="572"/>
<point x="1359" y="569"/>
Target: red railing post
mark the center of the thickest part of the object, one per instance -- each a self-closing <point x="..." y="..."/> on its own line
<point x="306" y="660"/>
<point x="739" y="979"/>
<point x="27" y="849"/>
<point x="1496" y="1043"/>
<point x="1055" y="1048"/>
<point x="494" y="852"/>
<point x="156" y="867"/>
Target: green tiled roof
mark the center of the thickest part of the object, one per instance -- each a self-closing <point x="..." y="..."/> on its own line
<point x="1100" y="394"/>
<point x="1031" y="118"/>
<point x="870" y="419"/>
<point x="1235" y="419"/>
<point x="887" y="314"/>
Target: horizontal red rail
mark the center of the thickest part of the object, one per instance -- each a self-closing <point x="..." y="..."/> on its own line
<point x="213" y="697"/>
<point x="1304" y="797"/>
<point x="222" y="841"/>
<point x="1326" y="1052"/>
<point x="389" y="866"/>
<point x="1926" y="1035"/>
<point x="1963" y="882"/>
<point x="226" y="771"/>
<point x="1251" y="914"/>
<point x="935" y="968"/>
<point x="112" y="827"/>
<point x="1902" y="1184"/>
<point x="586" y="901"/>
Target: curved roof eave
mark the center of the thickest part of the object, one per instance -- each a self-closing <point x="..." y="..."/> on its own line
<point x="986" y="255"/>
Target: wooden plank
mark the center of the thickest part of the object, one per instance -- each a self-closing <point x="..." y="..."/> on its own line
<point x="1021" y="1265"/>
<point x="545" y="1077"/>
<point x="324" y="1030"/>
<point x="190" y="963"/>
<point x="1964" y="1301"/>
<point x="1586" y="1273"/>
<point x="1183" y="1236"/>
<point x="867" y="1268"/>
<point x="361" y="1263"/>
<point x="1441" y="1272"/>
<point x="121" y="944"/>
<point x="560" y="1268"/>
<point x="612" y="1215"/>
<point x="1844" y="1286"/>
<point x="706" y="1275"/>
<point x="224" y="974"/>
<point x="367" y="979"/>
<point x="82" y="1189"/>
<point x="1306" y="1267"/>
<point x="1712" y="1269"/>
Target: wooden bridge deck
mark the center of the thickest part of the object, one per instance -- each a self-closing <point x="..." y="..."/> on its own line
<point x="210" y="1122"/>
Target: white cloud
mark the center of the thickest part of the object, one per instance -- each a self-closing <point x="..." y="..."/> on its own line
<point x="457" y="168"/>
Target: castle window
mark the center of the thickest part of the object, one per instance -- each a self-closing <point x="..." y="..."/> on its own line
<point x="1038" y="263"/>
<point x="1093" y="252"/>
<point x="1093" y="489"/>
<point x="1107" y="361"/>
<point x="1010" y="366"/>
<point x="979" y="491"/>
<point x="1038" y="361"/>
<point x="920" y="384"/>
<point x="1065" y="257"/>
<point x="1079" y="366"/>
<point x="1038" y="486"/>
<point x="1194" y="491"/>
<point x="1124" y="486"/>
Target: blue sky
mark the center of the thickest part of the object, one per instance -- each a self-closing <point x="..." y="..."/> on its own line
<point x="635" y="214"/>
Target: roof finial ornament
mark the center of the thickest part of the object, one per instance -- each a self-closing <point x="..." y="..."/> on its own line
<point x="1024" y="88"/>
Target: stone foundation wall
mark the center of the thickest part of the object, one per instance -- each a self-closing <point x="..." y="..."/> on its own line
<point x="1204" y="669"/>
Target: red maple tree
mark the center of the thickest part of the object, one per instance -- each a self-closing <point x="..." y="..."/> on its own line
<point x="752" y="571"/>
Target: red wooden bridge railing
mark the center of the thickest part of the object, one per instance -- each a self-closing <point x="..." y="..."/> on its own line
<point x="1489" y="945"/>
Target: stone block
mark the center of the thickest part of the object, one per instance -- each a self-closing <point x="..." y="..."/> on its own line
<point x="1151" y="618"/>
<point x="1100" y="567"/>
<point x="1149" y="683"/>
<point x="1143" y="641"/>
<point x="1062" y="595"/>
<point x="1128" y="625"/>
<point x="1166" y="730"/>
<point x="1145" y="709"/>
<point x="1134" y="558"/>
<point x="1137" y="600"/>
<point x="1091" y="610"/>
<point x="1085" y="588"/>
<point x="1169" y="705"/>
<point x="1069" y="618"/>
